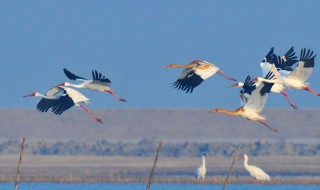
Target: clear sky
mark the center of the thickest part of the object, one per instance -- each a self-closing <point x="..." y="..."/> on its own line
<point x="130" y="42"/>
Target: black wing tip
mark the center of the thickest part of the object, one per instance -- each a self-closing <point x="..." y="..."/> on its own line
<point x="306" y="54"/>
<point x="270" y="55"/>
<point x="183" y="87"/>
<point x="99" y="76"/>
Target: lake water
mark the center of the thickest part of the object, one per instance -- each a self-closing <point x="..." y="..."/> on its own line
<point x="135" y="186"/>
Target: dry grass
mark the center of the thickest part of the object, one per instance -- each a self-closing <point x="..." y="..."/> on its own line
<point x="75" y="169"/>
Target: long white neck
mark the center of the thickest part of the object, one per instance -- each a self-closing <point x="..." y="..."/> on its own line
<point x="82" y="85"/>
<point x="280" y="81"/>
<point x="46" y="97"/>
<point x="245" y="162"/>
<point x="203" y="161"/>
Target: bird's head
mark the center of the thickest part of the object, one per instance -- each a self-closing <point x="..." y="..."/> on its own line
<point x="32" y="94"/>
<point x="241" y="157"/>
<point x="63" y="84"/>
<point x="214" y="110"/>
<point x="255" y="79"/>
<point x="238" y="84"/>
<point x="171" y="66"/>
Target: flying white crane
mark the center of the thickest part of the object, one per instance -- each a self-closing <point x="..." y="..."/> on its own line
<point x="99" y="83"/>
<point x="300" y="74"/>
<point x="254" y="106"/>
<point x="60" y="99"/>
<point x="254" y="171"/>
<point x="194" y="74"/>
<point x="283" y="63"/>
<point x="248" y="86"/>
<point x="202" y="170"/>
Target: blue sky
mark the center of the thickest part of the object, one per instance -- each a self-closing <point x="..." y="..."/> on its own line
<point x="130" y="42"/>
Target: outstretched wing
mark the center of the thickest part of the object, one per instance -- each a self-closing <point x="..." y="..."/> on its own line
<point x="188" y="81"/>
<point x="248" y="86"/>
<point x="99" y="77"/>
<point x="72" y="76"/>
<point x="45" y="104"/>
<point x="63" y="103"/>
<point x="259" y="97"/>
<point x="305" y="66"/>
<point x="288" y="59"/>
<point x="265" y="63"/>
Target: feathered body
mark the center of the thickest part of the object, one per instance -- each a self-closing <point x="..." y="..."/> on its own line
<point x="254" y="171"/>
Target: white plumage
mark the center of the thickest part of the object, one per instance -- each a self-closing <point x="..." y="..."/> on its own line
<point x="99" y="83"/>
<point x="298" y="77"/>
<point x="254" y="106"/>
<point x="254" y="171"/>
<point x="60" y="99"/>
<point x="194" y="74"/>
<point x="201" y="170"/>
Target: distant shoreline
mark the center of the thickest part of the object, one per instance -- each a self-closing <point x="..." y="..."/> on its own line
<point x="182" y="180"/>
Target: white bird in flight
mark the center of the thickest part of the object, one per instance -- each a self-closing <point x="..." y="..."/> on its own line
<point x="194" y="74"/>
<point x="300" y="74"/>
<point x="254" y="171"/>
<point x="99" y="83"/>
<point x="254" y="106"/>
<point x="60" y="99"/>
<point x="283" y="63"/>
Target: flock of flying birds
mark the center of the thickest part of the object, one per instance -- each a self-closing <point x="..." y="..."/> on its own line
<point x="278" y="74"/>
<point x="60" y="97"/>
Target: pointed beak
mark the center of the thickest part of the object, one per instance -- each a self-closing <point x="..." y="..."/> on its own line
<point x="234" y="85"/>
<point x="29" y="95"/>
<point x="166" y="67"/>
<point x="62" y="84"/>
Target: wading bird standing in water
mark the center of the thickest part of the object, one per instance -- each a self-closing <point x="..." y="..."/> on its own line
<point x="60" y="99"/>
<point x="194" y="74"/>
<point x="99" y="83"/>
<point x="254" y="171"/>
<point x="201" y="170"/>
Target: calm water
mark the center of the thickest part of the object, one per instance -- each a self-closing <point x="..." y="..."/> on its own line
<point x="128" y="186"/>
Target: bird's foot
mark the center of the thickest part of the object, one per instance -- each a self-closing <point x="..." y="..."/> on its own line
<point x="98" y="120"/>
<point x="294" y="106"/>
<point x="122" y="100"/>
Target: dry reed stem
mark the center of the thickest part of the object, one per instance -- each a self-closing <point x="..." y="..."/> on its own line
<point x="154" y="165"/>
<point x="19" y="165"/>
<point x="230" y="169"/>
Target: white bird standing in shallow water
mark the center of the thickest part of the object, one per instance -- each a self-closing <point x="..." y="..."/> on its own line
<point x="201" y="170"/>
<point x="254" y="171"/>
<point x="60" y="99"/>
<point x="194" y="74"/>
<point x="99" y="83"/>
